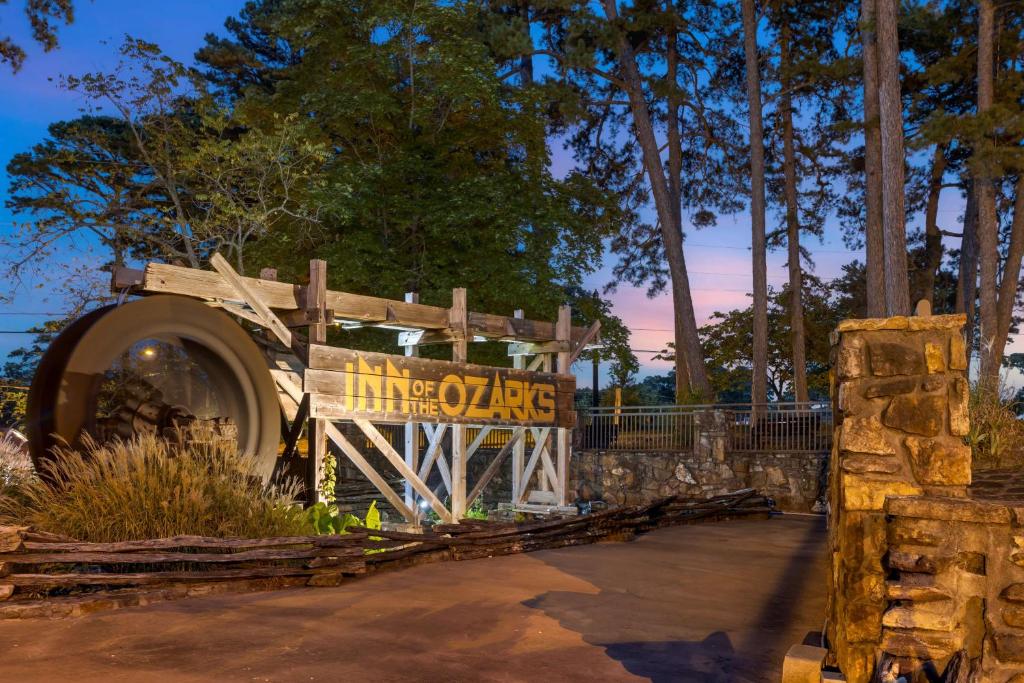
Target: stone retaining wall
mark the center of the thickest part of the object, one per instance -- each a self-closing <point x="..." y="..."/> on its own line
<point x="796" y="481"/>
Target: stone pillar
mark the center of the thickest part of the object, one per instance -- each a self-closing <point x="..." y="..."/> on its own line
<point x="899" y="394"/>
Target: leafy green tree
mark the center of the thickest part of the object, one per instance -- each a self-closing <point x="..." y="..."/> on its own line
<point x="168" y="174"/>
<point x="439" y="172"/>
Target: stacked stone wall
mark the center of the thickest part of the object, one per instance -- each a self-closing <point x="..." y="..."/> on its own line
<point x="900" y="401"/>
<point x="796" y="481"/>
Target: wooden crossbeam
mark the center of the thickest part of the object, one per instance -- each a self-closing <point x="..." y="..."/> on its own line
<point x="398" y="462"/>
<point x="293" y="392"/>
<point x="484" y="431"/>
<point x="434" y="437"/>
<point x="545" y="458"/>
<point x="531" y="465"/>
<point x="495" y="466"/>
<point x="581" y="345"/>
<point x="204" y="284"/>
<point x="295" y="430"/>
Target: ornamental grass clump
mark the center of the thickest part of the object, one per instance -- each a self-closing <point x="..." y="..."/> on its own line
<point x="149" y="488"/>
<point x="997" y="433"/>
<point x="15" y="467"/>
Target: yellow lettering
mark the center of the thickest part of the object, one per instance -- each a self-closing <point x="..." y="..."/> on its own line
<point x="477" y="407"/>
<point x="497" y="407"/>
<point x="546" y="401"/>
<point x="397" y="383"/>
<point x="514" y="399"/>
<point x="449" y="408"/>
<point x="371" y="386"/>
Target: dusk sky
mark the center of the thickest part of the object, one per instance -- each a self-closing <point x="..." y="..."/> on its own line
<point x="718" y="258"/>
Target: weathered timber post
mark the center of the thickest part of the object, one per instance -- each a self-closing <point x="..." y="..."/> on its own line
<point x="316" y="433"/>
<point x="411" y="428"/>
<point x="563" y="334"/>
<point x="900" y="400"/>
<point x="519" y="450"/>
<point x="458" y="320"/>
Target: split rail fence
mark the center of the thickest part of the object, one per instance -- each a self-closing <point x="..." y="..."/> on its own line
<point x="34" y="564"/>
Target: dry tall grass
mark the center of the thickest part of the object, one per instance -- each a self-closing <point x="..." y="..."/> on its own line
<point x="149" y="488"/>
<point x="997" y="434"/>
<point x="15" y="466"/>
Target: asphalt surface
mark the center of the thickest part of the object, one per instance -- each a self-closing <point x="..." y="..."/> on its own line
<point x="710" y="602"/>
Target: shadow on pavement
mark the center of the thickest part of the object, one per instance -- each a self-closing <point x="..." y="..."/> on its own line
<point x="704" y="603"/>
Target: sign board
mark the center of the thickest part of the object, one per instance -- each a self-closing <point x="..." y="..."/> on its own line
<point x="344" y="383"/>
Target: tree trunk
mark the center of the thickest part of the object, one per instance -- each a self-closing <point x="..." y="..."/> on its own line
<point x="890" y="110"/>
<point x="873" y="239"/>
<point x="687" y="341"/>
<point x="1011" y="275"/>
<point x="759" y="370"/>
<point x="967" y="278"/>
<point x="932" y="236"/>
<point x="675" y="169"/>
<point x="526" y="61"/>
<point x="796" y="305"/>
<point x="988" y="229"/>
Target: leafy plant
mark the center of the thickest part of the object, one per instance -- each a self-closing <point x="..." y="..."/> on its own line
<point x="325" y="518"/>
<point x="477" y="510"/>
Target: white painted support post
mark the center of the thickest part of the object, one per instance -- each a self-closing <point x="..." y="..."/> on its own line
<point x="458" y="321"/>
<point x="316" y="433"/>
<point x="543" y="481"/>
<point x="519" y="450"/>
<point x="411" y="430"/>
<point x="563" y="437"/>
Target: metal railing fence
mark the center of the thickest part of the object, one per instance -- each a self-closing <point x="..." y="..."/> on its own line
<point x="773" y="427"/>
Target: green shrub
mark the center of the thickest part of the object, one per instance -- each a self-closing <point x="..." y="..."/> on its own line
<point x="997" y="434"/>
<point x="149" y="488"/>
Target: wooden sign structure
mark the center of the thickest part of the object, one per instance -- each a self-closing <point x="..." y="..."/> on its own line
<point x="319" y="384"/>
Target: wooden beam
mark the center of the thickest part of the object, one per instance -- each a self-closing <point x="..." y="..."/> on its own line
<point x="433" y="448"/>
<point x="533" y="348"/>
<point x="295" y="430"/>
<point x="411" y="432"/>
<point x="316" y="301"/>
<point x="425" y="337"/>
<point x="304" y="317"/>
<point x="167" y="279"/>
<point x="581" y="345"/>
<point x="293" y="392"/>
<point x="524" y="482"/>
<point x="495" y="465"/>
<point x="563" y="437"/>
<point x="519" y="450"/>
<point x="458" y="322"/>
<point x="246" y="292"/>
<point x="481" y="435"/>
<point x="399" y="464"/>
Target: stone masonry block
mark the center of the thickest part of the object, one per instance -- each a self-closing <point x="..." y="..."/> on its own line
<point x="934" y="358"/>
<point x="959" y="400"/>
<point x="867" y="493"/>
<point x="892" y="358"/>
<point x="865" y="435"/>
<point x="803" y="664"/>
<point x="916" y="414"/>
<point x="939" y="462"/>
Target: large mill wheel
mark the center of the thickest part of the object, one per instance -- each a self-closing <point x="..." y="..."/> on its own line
<point x="153" y="365"/>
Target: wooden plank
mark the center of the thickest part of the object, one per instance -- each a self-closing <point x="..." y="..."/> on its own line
<point x="153" y="557"/>
<point x="545" y="459"/>
<point x="177" y="542"/>
<point x="204" y="284"/>
<point x="401" y="388"/>
<point x="331" y="408"/>
<point x="307" y="317"/>
<point x="292" y="437"/>
<point x="531" y="465"/>
<point x="458" y="321"/>
<point x="433" y="448"/>
<point x="249" y="295"/>
<point x="399" y="464"/>
<point x="411" y="431"/>
<point x="293" y="392"/>
<point x="580" y="345"/>
<point x="519" y="449"/>
<point x="316" y="300"/>
<point x="479" y="439"/>
<point x="563" y="443"/>
<point x="69" y="580"/>
<point x="495" y="465"/>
